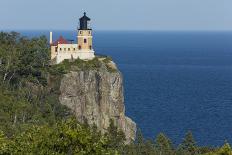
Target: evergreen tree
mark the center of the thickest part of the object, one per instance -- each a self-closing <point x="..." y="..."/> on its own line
<point x="116" y="137"/>
<point x="140" y="147"/>
<point x="139" y="138"/>
<point x="163" y="145"/>
<point x="188" y="146"/>
<point x="149" y="147"/>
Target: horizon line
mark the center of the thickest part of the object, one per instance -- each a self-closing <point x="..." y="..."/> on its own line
<point x="118" y="30"/>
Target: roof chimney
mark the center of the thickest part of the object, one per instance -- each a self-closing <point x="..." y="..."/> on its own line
<point x="50" y="37"/>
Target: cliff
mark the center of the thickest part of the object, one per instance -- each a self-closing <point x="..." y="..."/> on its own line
<point x="95" y="94"/>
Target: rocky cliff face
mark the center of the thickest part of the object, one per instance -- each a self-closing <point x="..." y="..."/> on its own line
<point x="97" y="96"/>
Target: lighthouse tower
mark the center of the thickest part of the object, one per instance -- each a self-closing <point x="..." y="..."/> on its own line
<point x="84" y="37"/>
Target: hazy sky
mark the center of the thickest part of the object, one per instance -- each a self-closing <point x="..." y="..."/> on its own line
<point x="117" y="14"/>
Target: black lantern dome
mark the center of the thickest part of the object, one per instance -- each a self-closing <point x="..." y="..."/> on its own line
<point x="84" y="22"/>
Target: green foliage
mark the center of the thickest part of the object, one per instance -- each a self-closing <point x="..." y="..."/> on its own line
<point x="188" y="146"/>
<point x="163" y="145"/>
<point x="65" y="137"/>
<point x="22" y="58"/>
<point x="140" y="147"/>
<point x="224" y="150"/>
<point x="76" y="65"/>
<point x="3" y="143"/>
<point x="116" y="138"/>
<point x="206" y="149"/>
<point x="24" y="93"/>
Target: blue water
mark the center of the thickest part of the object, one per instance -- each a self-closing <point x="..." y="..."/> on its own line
<point x="174" y="81"/>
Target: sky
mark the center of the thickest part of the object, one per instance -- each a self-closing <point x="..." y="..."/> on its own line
<point x="155" y="15"/>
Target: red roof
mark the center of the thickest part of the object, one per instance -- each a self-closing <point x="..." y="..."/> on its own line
<point x="61" y="40"/>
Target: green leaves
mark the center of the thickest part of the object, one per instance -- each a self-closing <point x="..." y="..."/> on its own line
<point x="188" y="146"/>
<point x="66" y="137"/>
<point x="21" y="57"/>
<point x="3" y="143"/>
<point x="115" y="137"/>
<point x="163" y="145"/>
<point x="24" y="92"/>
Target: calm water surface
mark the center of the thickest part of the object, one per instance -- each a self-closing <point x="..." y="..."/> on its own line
<point x="174" y="81"/>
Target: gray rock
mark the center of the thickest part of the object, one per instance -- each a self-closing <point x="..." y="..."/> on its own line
<point x="97" y="96"/>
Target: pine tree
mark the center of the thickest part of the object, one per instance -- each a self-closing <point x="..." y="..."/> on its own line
<point x="115" y="136"/>
<point x="139" y="139"/>
<point x="140" y="143"/>
<point x="163" y="145"/>
<point x="188" y="146"/>
<point x="149" y="147"/>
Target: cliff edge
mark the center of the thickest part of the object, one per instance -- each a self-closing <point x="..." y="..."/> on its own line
<point x="94" y="93"/>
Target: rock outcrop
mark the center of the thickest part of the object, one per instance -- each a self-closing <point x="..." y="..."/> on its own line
<point x="96" y="96"/>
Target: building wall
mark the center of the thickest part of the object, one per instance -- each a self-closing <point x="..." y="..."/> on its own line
<point x="53" y="52"/>
<point x="81" y="54"/>
<point x="67" y="48"/>
<point x="70" y="51"/>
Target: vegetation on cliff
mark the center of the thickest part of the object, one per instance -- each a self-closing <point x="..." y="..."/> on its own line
<point x="32" y="121"/>
<point x="97" y="63"/>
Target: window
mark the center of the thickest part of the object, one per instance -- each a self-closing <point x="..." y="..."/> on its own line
<point x="60" y="49"/>
<point x="89" y="32"/>
<point x="56" y="49"/>
<point x="85" y="40"/>
<point x="90" y="47"/>
<point x="74" y="49"/>
<point x="80" y="32"/>
<point x="68" y="49"/>
<point x="79" y="47"/>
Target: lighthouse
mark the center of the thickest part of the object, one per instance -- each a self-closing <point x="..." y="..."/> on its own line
<point x="62" y="49"/>
<point x="84" y="34"/>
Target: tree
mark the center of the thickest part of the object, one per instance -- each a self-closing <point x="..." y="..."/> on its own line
<point x="9" y="55"/>
<point x="163" y="145"/>
<point x="149" y="147"/>
<point x="116" y="137"/>
<point x="188" y="146"/>
<point x="21" y="57"/>
<point x="141" y="146"/>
